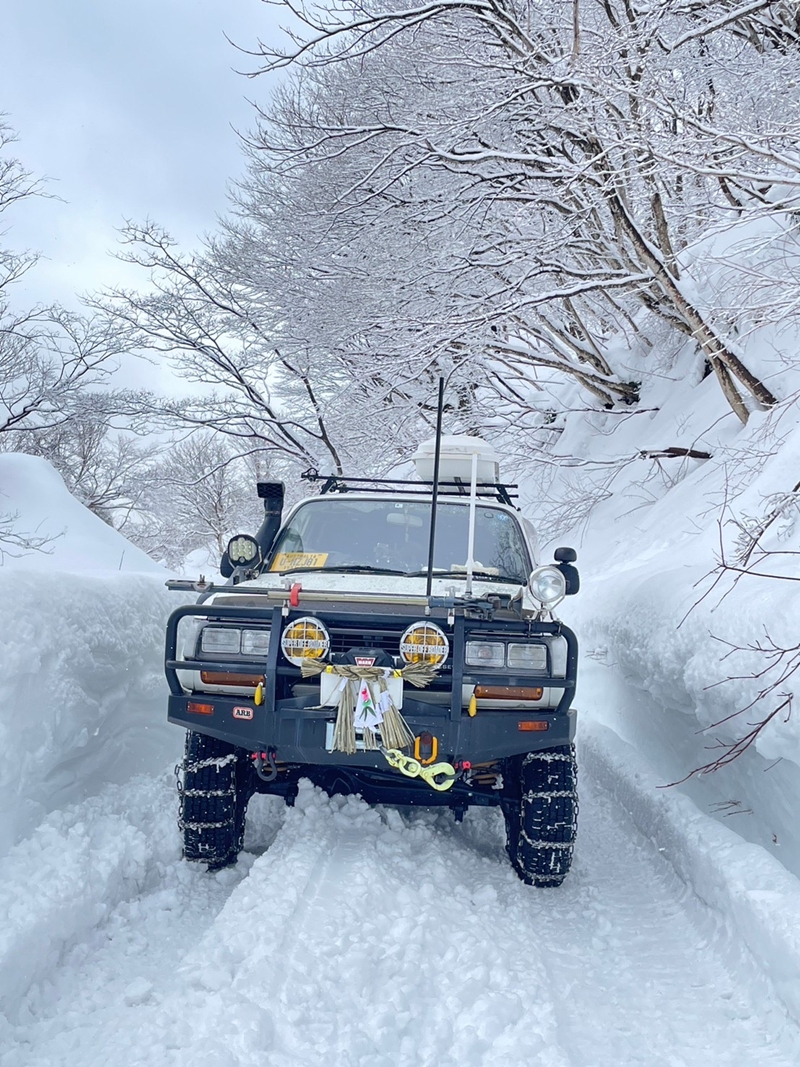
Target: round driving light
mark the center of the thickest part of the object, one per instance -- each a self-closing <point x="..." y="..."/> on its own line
<point x="548" y="585"/>
<point x="305" y="639"/>
<point x="423" y="642"/>
<point x="243" y="549"/>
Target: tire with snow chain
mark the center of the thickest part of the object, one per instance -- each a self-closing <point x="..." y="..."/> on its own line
<point x="214" y="790"/>
<point x="542" y="820"/>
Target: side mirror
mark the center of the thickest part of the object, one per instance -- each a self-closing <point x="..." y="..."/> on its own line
<point x="564" y="558"/>
<point x="571" y="576"/>
<point x="565" y="555"/>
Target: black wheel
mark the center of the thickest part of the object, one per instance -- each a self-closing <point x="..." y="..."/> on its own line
<point x="214" y="790"/>
<point x="541" y="813"/>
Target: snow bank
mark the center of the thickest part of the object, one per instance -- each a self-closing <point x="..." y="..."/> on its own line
<point x="653" y="601"/>
<point x="78" y="870"/>
<point x="82" y="690"/>
<point x="757" y="900"/>
<point x="655" y="501"/>
<point x="81" y="631"/>
<point x="78" y="541"/>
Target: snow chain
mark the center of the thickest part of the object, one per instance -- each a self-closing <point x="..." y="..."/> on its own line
<point x="192" y="768"/>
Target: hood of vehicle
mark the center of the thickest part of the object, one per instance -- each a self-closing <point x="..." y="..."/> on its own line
<point x="444" y="585"/>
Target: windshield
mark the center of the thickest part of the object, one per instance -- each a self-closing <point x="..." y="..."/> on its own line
<point x="391" y="536"/>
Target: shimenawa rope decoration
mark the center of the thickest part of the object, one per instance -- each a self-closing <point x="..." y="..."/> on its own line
<point x="365" y="703"/>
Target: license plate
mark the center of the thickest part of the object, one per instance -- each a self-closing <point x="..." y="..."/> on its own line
<point x="330" y="727"/>
<point x="329" y="689"/>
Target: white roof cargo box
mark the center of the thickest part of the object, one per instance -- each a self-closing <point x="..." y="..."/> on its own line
<point x="455" y="459"/>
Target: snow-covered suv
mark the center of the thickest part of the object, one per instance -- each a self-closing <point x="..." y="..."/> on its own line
<point x="374" y="651"/>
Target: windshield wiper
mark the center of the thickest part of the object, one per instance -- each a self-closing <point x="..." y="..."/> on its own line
<point x="363" y="568"/>
<point x="486" y="576"/>
<point x="359" y="568"/>
<point x="344" y="568"/>
<point x="440" y="572"/>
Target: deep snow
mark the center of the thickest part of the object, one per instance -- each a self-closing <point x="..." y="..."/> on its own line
<point x="81" y="632"/>
<point x="361" y="936"/>
<point x="75" y="540"/>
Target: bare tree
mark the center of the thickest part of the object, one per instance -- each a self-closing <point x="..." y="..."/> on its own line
<point x="772" y="665"/>
<point x="537" y="202"/>
<point x="194" y="498"/>
<point x="47" y="356"/>
<point x="49" y="360"/>
<point x="214" y="328"/>
<point x="104" y="468"/>
<point x="554" y="194"/>
<point x="15" y="543"/>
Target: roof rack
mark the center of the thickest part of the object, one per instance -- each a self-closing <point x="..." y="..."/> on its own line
<point x="340" y="483"/>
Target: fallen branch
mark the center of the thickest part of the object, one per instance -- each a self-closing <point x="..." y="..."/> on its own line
<point x="672" y="452"/>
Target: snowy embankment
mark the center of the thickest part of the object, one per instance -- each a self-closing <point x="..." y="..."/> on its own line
<point x="81" y="632"/>
<point x="669" y="679"/>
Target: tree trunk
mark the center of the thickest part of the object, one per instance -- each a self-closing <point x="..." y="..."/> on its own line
<point x="724" y="362"/>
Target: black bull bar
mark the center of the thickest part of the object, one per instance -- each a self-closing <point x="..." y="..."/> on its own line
<point x="486" y="731"/>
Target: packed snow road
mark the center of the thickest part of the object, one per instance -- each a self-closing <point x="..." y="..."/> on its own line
<point x="360" y="937"/>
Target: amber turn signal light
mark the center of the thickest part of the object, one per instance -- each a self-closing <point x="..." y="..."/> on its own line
<point x="508" y="692"/>
<point x="532" y="726"/>
<point x="223" y="678"/>
<point x="200" y="709"/>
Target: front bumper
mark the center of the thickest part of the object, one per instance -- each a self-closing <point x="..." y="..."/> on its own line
<point x="298" y="734"/>
<point x="297" y="731"/>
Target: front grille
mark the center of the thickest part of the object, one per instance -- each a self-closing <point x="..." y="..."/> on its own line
<point x="345" y="638"/>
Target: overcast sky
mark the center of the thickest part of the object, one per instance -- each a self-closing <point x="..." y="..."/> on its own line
<point x="128" y="106"/>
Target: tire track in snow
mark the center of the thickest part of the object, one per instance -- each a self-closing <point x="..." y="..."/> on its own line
<point x="392" y="959"/>
<point x="366" y="939"/>
<point x="99" y="893"/>
<point x="743" y="885"/>
<point x="647" y="976"/>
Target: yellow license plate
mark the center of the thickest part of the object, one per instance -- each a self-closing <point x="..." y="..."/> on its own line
<point x="286" y="561"/>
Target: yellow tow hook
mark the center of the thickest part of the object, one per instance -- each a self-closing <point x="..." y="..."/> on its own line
<point x="258" y="697"/>
<point x="439" y="776"/>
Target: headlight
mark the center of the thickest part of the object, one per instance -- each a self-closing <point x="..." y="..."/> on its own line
<point x="188" y="631"/>
<point x="527" y="657"/>
<point x="217" y="639"/>
<point x="548" y="586"/>
<point x="424" y="642"/>
<point x="485" y="654"/>
<point x="255" y="642"/>
<point x="304" y="639"/>
<point x="243" y="549"/>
